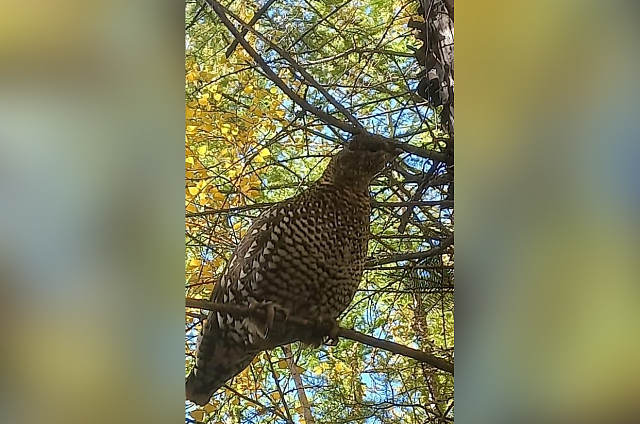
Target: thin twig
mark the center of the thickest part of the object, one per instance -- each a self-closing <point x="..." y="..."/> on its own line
<point x="252" y="22"/>
<point x="282" y="397"/>
<point x="255" y="402"/>
<point x="329" y="119"/>
<point x="309" y="79"/>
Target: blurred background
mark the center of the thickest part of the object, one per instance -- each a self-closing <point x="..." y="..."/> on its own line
<point x="91" y="215"/>
<point x="548" y="188"/>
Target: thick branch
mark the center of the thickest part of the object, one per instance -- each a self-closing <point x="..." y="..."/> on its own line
<point x="397" y="348"/>
<point x="389" y="346"/>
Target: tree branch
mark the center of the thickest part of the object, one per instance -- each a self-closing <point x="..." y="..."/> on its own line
<point x="255" y="402"/>
<point x="375" y="204"/>
<point x="408" y="256"/>
<point x="354" y="335"/>
<point x="280" y="392"/>
<point x="297" y="379"/>
<point x="252" y="22"/>
<point x="295" y="65"/>
<point x="353" y="127"/>
<point x="329" y="119"/>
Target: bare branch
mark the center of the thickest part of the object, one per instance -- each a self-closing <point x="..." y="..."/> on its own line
<point x="309" y="79"/>
<point x="297" y="379"/>
<point x="389" y="346"/>
<point x="329" y="119"/>
<point x="253" y="20"/>
<point x="409" y="256"/>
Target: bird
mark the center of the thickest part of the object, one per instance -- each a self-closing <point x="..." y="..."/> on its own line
<point x="304" y="256"/>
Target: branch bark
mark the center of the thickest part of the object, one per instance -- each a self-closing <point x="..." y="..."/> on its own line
<point x="302" y="396"/>
<point x="354" y="335"/>
<point x="252" y="22"/>
<point x="409" y="256"/>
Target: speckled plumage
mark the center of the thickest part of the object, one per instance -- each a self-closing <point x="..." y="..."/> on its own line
<point x="306" y="255"/>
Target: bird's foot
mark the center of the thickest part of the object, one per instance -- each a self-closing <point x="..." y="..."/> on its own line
<point x="331" y="336"/>
<point x="270" y="309"/>
<point x="325" y="332"/>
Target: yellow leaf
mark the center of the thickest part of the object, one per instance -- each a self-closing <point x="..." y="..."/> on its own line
<point x="193" y="190"/>
<point x="218" y="196"/>
<point x="190" y="160"/>
<point x="282" y="364"/>
<point x="197" y="415"/>
<point x="195" y="262"/>
<point x="248" y="89"/>
<point x="273" y="90"/>
<point x="237" y="226"/>
<point x="192" y="208"/>
<point x="217" y="97"/>
<point x="192" y="129"/>
<point x="264" y="153"/>
<point x="203" y="199"/>
<point x="202" y="150"/>
<point x="276" y="395"/>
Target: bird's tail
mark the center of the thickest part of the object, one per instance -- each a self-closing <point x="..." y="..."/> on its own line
<point x="198" y="392"/>
<point x="204" y="381"/>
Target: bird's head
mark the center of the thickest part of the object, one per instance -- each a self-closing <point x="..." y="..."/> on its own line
<point x="357" y="163"/>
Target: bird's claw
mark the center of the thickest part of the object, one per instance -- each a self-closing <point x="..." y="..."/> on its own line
<point x="331" y="338"/>
<point x="270" y="309"/>
<point x="326" y="332"/>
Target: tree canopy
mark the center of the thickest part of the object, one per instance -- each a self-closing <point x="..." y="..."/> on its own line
<point x="272" y="90"/>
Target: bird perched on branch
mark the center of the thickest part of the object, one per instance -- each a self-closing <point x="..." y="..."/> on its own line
<point x="305" y="256"/>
